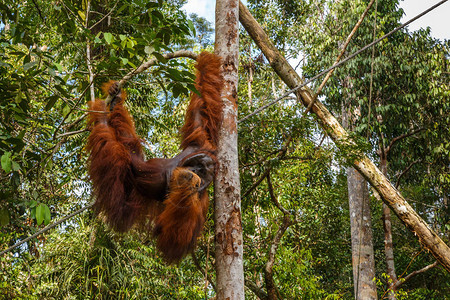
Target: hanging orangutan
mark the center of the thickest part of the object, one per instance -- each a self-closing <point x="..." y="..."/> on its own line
<point x="171" y="194"/>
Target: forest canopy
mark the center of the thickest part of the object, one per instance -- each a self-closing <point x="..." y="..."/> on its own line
<point x="299" y="192"/>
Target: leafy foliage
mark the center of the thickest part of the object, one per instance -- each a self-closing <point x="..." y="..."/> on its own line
<point x="45" y="83"/>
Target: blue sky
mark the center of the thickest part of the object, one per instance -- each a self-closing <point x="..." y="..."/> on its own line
<point x="438" y="20"/>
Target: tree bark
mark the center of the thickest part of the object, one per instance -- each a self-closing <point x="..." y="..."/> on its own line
<point x="363" y="164"/>
<point x="388" y="244"/>
<point x="361" y="233"/>
<point x="363" y="259"/>
<point x="228" y="226"/>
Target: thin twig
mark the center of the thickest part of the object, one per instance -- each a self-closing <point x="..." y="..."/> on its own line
<point x="396" y="139"/>
<point x="71" y="133"/>
<point x="105" y="16"/>
<point x="412" y="274"/>
<point x="197" y="264"/>
<point x="405" y="171"/>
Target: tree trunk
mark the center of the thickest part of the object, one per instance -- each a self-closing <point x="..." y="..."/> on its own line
<point x="228" y="230"/>
<point x="363" y="260"/>
<point x="363" y="164"/>
<point x="388" y="245"/>
<point x="361" y="232"/>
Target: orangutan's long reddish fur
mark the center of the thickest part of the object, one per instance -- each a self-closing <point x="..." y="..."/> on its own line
<point x="131" y="191"/>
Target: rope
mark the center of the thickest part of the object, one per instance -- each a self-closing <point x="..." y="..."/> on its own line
<point x="341" y="62"/>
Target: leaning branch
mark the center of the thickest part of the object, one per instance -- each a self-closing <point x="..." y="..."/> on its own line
<point x="363" y="164"/>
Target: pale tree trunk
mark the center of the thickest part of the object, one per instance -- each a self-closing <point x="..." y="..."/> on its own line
<point x="388" y="245"/>
<point x="389" y="194"/>
<point x="361" y="233"/>
<point x="88" y="55"/>
<point x="363" y="260"/>
<point x="228" y="226"/>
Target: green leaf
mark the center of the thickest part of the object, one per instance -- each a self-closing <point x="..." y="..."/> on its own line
<point x="40" y="213"/>
<point x="160" y="57"/>
<point x="29" y="65"/>
<point x="108" y="37"/>
<point x="192" y="27"/>
<point x="122" y="8"/>
<point x="47" y="215"/>
<point x="51" y="102"/>
<point x="6" y="162"/>
<point x="58" y="66"/>
<point x="15" y="166"/>
<point x="177" y="89"/>
<point x="82" y="15"/>
<point x="51" y="72"/>
<point x="175" y="74"/>
<point x="4" y="217"/>
<point x="62" y="91"/>
<point x="149" y="49"/>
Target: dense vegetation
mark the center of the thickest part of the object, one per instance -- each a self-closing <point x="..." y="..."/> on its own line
<point x="293" y="180"/>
